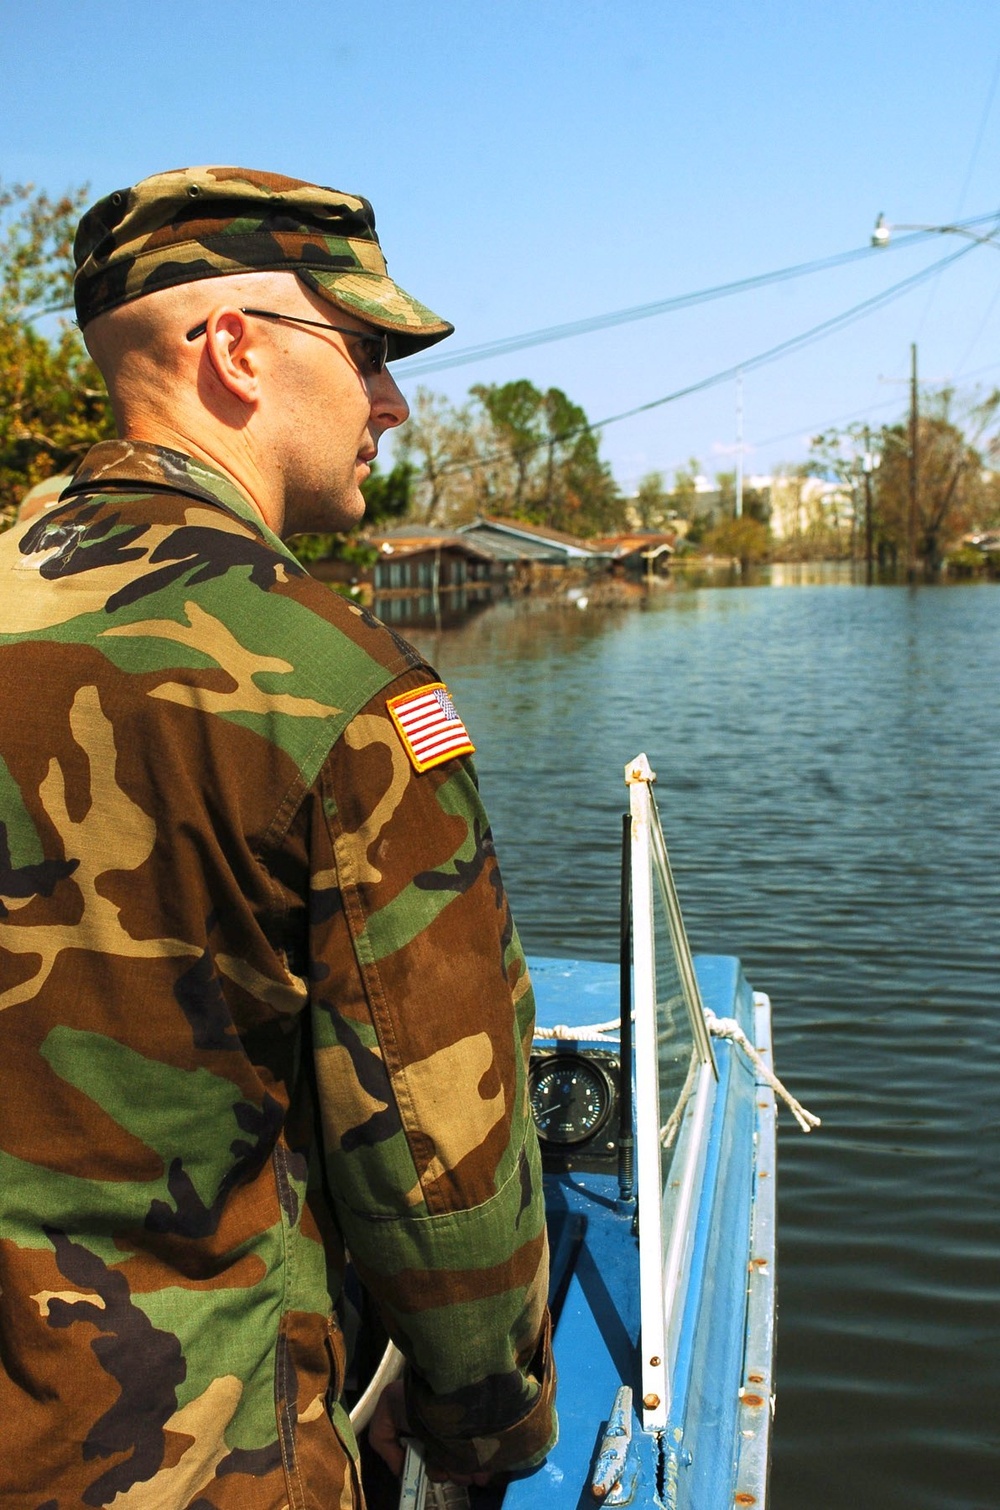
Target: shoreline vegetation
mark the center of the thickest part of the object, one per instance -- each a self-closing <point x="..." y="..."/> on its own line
<point x="916" y="500"/>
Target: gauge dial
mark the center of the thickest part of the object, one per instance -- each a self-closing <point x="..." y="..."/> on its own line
<point x="569" y="1099"/>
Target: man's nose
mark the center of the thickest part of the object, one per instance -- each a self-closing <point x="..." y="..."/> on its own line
<point x="389" y="407"/>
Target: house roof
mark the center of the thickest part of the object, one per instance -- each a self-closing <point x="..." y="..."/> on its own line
<point x="988" y="541"/>
<point x="626" y="545"/>
<point x="514" y="538"/>
<point x="411" y="532"/>
<point x="399" y="544"/>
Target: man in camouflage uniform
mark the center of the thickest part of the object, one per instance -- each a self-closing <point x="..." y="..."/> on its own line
<point x="261" y="996"/>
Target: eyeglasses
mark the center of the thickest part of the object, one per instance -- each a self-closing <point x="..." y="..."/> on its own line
<point x="374" y="348"/>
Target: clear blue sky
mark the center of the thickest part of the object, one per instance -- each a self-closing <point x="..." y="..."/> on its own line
<point x="539" y="161"/>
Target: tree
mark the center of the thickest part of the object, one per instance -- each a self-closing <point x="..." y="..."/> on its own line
<point x="988" y="509"/>
<point x="755" y="502"/>
<point x="953" y="493"/>
<point x="443" y="446"/>
<point x="53" y="403"/>
<point x="578" y="493"/>
<point x="840" y="456"/>
<point x="684" y="501"/>
<point x="746" y="539"/>
<point x="684" y="497"/>
<point x="950" y="485"/>
<point x="653" y="504"/>
<point x="514" y="450"/>
<point x="516" y="412"/>
<point x="388" y="495"/>
<point x="566" y="442"/>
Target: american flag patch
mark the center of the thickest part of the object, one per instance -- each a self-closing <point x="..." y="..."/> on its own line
<point x="429" y="726"/>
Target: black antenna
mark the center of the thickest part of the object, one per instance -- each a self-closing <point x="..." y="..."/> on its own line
<point x="626" y="1139"/>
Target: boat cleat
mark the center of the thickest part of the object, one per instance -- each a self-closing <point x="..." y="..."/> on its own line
<point x="617" y="1468"/>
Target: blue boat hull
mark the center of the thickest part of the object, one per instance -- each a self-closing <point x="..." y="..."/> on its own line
<point x="714" y="1451"/>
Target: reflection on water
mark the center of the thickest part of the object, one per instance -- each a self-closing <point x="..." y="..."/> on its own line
<point x="812" y="574"/>
<point x="444" y="609"/>
<point x="828" y="762"/>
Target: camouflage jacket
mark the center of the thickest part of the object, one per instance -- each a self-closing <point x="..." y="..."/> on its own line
<point x="261" y="997"/>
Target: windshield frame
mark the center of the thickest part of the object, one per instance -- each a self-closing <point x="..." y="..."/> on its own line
<point x="669" y="1178"/>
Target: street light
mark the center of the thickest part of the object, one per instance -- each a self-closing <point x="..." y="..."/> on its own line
<point x="882" y="234"/>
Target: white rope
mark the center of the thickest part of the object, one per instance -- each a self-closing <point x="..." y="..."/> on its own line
<point x="728" y="1027"/>
<point x="595" y="1032"/>
<point x="719" y="1027"/>
<point x="671" y="1127"/>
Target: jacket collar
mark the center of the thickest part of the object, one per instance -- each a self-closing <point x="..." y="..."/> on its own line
<point x="137" y="465"/>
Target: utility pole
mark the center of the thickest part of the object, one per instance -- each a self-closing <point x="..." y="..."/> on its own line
<point x="911" y="532"/>
<point x="739" y="444"/>
<point x="868" y="466"/>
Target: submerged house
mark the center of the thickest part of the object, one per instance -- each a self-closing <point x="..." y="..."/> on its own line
<point x="413" y="560"/>
<point x="420" y="575"/>
<point x="516" y="546"/>
<point x="424" y="559"/>
<point x="643" y="553"/>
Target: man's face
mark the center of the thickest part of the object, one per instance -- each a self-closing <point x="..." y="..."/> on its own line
<point x="332" y="409"/>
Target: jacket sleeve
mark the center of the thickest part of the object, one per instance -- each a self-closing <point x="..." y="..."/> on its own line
<point x="423" y="1017"/>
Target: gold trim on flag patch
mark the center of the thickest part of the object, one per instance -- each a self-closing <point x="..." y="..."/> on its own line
<point x="427" y="722"/>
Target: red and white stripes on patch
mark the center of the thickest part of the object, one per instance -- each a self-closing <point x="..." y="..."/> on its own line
<point x="429" y="726"/>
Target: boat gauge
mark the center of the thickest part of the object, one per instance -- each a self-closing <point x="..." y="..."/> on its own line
<point x="570" y="1098"/>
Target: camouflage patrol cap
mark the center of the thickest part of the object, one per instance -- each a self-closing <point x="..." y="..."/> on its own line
<point x="193" y="223"/>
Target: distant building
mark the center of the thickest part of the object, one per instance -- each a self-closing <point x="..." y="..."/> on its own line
<point x="799" y="504"/>
<point x="699" y="503"/>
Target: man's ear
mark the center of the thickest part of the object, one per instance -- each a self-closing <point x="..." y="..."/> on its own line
<point x="233" y="355"/>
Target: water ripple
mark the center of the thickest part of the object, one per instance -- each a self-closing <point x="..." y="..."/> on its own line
<point x="828" y="766"/>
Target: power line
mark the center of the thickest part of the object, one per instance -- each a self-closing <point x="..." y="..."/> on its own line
<point x="831" y="424"/>
<point x="979" y="135"/>
<point x="932" y="291"/>
<point x="794" y="343"/>
<point x="974" y="158"/>
<point x="979" y="330"/>
<point x="749" y="364"/>
<point x="508" y="344"/>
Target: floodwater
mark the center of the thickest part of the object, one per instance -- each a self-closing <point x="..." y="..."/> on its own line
<point x="829" y="766"/>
